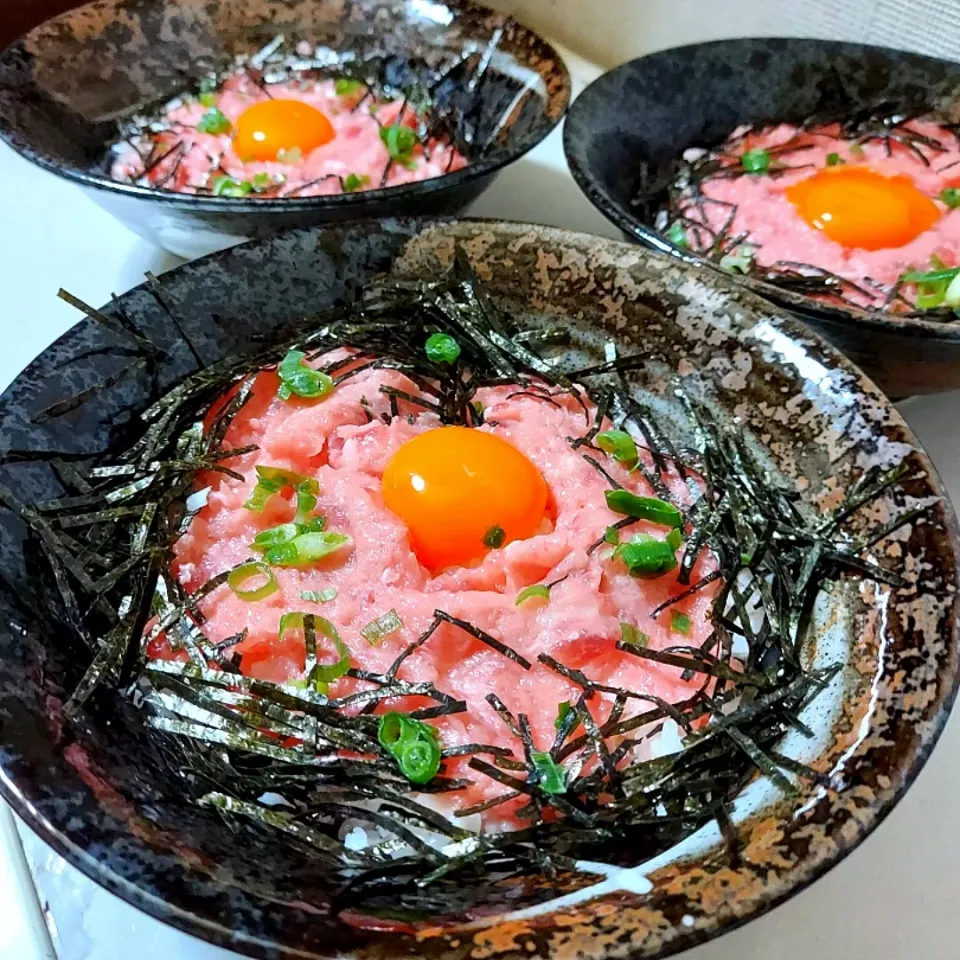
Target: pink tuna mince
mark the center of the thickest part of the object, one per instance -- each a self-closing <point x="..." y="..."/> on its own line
<point x="333" y="441"/>
<point x="198" y="158"/>
<point x="767" y="221"/>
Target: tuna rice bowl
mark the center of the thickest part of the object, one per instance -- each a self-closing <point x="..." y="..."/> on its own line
<point x="446" y="606"/>
<point x="862" y="213"/>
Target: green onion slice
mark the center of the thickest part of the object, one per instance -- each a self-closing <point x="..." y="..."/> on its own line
<point x="612" y="536"/>
<point x="644" y="508"/>
<point x="620" y="445"/>
<point x="677" y="235"/>
<point x="317" y="673"/>
<point x="442" y="348"/>
<point x="223" y="186"/>
<point x="679" y="622"/>
<point x="645" y="556"/>
<point x="213" y="121"/>
<point x="834" y="160"/>
<point x="756" y="161"/>
<point x="272" y="480"/>
<point x="950" y="196"/>
<point x="400" y="141"/>
<point x="563" y="711"/>
<point x="306" y="548"/>
<point x="346" y="87"/>
<point x="419" y="761"/>
<point x="549" y="773"/>
<point x="413" y="744"/>
<point x="740" y="261"/>
<point x="929" y="276"/>
<point x="629" y="634"/>
<point x="540" y="590"/>
<point x="675" y="539"/>
<point x="353" y="182"/>
<point x="297" y="378"/>
<point x="381" y="627"/>
<point x="494" y="537"/>
<point x="241" y="575"/>
<point x="319" y="596"/>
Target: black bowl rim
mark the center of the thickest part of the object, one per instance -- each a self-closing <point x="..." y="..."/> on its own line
<point x="213" y="932"/>
<point x="557" y="102"/>
<point x="852" y="317"/>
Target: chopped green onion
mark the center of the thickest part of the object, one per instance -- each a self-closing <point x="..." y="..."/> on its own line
<point x="952" y="296"/>
<point x="317" y="673"/>
<point x="319" y="596"/>
<point x="272" y="480"/>
<point x="413" y="744"/>
<point x="207" y="99"/>
<point x="227" y="187"/>
<point x="619" y="444"/>
<point x="675" y="539"/>
<point x="645" y="556"/>
<point x="644" y="508"/>
<point x="261" y="182"/>
<point x="549" y="773"/>
<point x="856" y="149"/>
<point x="346" y="87"/>
<point x="246" y="572"/>
<point x="213" y="121"/>
<point x="352" y="182"/>
<point x="275" y="535"/>
<point x="951" y="197"/>
<point x="930" y="276"/>
<point x="400" y="141"/>
<point x="629" y="634"/>
<point x="478" y="409"/>
<point x="611" y="536"/>
<point x="931" y="295"/>
<point x="208" y="85"/>
<point x="304" y="549"/>
<point x="834" y="159"/>
<point x="563" y="711"/>
<point x="381" y="627"/>
<point x="679" y="622"/>
<point x="740" y="261"/>
<point x="442" y="348"/>
<point x="756" y="161"/>
<point x="297" y="378"/>
<point x="677" y="235"/>
<point x="289" y="155"/>
<point x="494" y="537"/>
<point x="540" y="590"/>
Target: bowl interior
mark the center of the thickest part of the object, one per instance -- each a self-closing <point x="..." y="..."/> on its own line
<point x="98" y="791"/>
<point x="67" y="83"/>
<point x="626" y="134"/>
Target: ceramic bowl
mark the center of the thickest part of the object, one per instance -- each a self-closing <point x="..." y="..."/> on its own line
<point x="628" y="130"/>
<point x="65" y="86"/>
<point x="95" y="791"/>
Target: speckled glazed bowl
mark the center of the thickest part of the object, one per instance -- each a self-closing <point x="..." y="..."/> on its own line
<point x="627" y="132"/>
<point x="93" y="793"/>
<point x="67" y="83"/>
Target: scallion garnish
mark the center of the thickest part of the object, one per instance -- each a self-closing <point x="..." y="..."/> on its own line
<point x="645" y="556"/>
<point x="289" y="155"/>
<point x="319" y="596"/>
<point x="381" y="627"/>
<point x="317" y="673"/>
<point x="227" y="187"/>
<point x="644" y="508"/>
<point x="549" y="774"/>
<point x="834" y="159"/>
<point x="612" y="536"/>
<point x="675" y="538"/>
<point x="208" y="89"/>
<point x="261" y="182"/>
<point x="679" y="622"/>
<point x="441" y="348"/>
<point x="563" y="711"/>
<point x="346" y="87"/>
<point x="494" y="537"/>
<point x="400" y="141"/>
<point x="286" y="533"/>
<point x="213" y="121"/>
<point x="950" y="196"/>
<point x="756" y="161"/>
<point x="413" y="744"/>
<point x="273" y="480"/>
<point x="304" y="549"/>
<point x="677" y="235"/>
<point x="629" y="634"/>
<point x="856" y="149"/>
<point x="539" y="590"/>
<point x="739" y="261"/>
<point x="246" y="572"/>
<point x="620" y="445"/>
<point x="353" y="182"/>
<point x="297" y="378"/>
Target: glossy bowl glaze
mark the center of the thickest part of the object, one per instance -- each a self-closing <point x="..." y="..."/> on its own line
<point x="94" y="792"/>
<point x="67" y="83"/>
<point x="626" y="133"/>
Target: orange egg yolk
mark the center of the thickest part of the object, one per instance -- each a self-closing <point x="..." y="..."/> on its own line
<point x="454" y="486"/>
<point x="270" y="126"/>
<point x="857" y="207"/>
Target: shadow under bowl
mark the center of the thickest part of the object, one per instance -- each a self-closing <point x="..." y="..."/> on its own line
<point x="100" y="792"/>
<point x="66" y="86"/>
<point x="625" y="135"/>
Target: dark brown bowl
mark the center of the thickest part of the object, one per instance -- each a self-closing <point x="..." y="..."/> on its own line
<point x="93" y="791"/>
<point x="67" y="83"/>
<point x="627" y="131"/>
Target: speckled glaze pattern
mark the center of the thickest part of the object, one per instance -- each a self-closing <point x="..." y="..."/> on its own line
<point x="92" y="792"/>
<point x="627" y="130"/>
<point x="64" y="86"/>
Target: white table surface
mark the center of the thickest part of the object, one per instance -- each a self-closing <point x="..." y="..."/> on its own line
<point x="895" y="898"/>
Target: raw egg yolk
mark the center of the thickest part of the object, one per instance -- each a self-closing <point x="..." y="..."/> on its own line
<point x="461" y="491"/>
<point x="274" y="125"/>
<point x="857" y="207"/>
